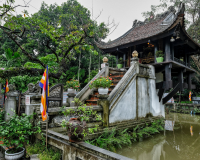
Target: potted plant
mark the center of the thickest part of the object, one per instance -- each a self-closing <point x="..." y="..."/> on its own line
<point x="76" y="127"/>
<point x="159" y="56"/>
<point x="102" y="84"/>
<point x="15" y="134"/>
<point x="120" y="63"/>
<point x="72" y="85"/>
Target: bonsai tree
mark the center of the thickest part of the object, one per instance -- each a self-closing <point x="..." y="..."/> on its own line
<point x="76" y="127"/>
<point x="159" y="53"/>
<point x="160" y="56"/>
<point x="15" y="132"/>
<point x="120" y="62"/>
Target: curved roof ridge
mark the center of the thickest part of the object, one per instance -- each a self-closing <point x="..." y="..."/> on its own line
<point x="145" y="29"/>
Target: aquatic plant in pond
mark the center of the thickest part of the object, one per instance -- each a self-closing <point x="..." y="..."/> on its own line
<point x="114" y="139"/>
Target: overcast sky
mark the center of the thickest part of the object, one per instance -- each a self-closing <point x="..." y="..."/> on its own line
<point x="123" y="12"/>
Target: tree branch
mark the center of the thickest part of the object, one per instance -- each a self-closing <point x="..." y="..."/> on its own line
<point x="72" y="46"/>
<point x="7" y="10"/>
<point x="24" y="71"/>
<point x="23" y="50"/>
<point x="47" y="45"/>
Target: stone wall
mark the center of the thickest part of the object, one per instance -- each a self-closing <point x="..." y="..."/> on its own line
<point x="135" y="96"/>
<point x="79" y="150"/>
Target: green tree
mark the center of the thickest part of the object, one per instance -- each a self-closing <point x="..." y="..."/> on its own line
<point x="54" y="36"/>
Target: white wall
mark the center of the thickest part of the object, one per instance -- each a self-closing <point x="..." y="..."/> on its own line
<point x="125" y="108"/>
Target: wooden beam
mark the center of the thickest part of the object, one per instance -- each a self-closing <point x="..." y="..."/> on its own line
<point x="159" y="85"/>
<point x="171" y="94"/>
<point x="179" y="43"/>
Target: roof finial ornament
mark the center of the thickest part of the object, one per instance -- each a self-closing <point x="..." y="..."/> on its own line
<point x="134" y="23"/>
<point x="181" y="8"/>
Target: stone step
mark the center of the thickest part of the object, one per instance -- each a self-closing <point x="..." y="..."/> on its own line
<point x="93" y="97"/>
<point x="116" y="78"/>
<point x="91" y="102"/>
<point x="115" y="81"/>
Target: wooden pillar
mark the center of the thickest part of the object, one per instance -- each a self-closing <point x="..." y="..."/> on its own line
<point x="155" y="49"/>
<point x="168" y="78"/>
<point x="124" y="59"/>
<point x="167" y="50"/>
<point x="172" y="51"/>
<point x="180" y="79"/>
<point x="189" y="81"/>
<point x="117" y="57"/>
<point x="185" y="59"/>
<point x="188" y="60"/>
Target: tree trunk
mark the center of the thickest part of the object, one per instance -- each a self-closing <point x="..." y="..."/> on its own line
<point x="79" y="67"/>
<point x="89" y="67"/>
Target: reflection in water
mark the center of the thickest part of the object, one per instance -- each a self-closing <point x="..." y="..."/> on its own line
<point x="180" y="141"/>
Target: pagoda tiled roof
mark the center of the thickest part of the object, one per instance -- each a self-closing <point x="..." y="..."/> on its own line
<point x="146" y="29"/>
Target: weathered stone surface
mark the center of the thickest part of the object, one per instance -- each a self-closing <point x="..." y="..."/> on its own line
<point x="10" y="103"/>
<point x="34" y="157"/>
<point x="143" y="97"/>
<point x="156" y="107"/>
<point x="104" y="96"/>
<point x="125" y="107"/>
<point x="105" y="104"/>
<point x="57" y="120"/>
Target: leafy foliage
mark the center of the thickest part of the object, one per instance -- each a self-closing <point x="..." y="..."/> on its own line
<point x="15" y="132"/>
<point x="120" y="61"/>
<point x="55" y="36"/>
<point x="39" y="148"/>
<point x="73" y="84"/>
<point x="84" y="114"/>
<point x="114" y="139"/>
<point x="2" y="113"/>
<point x="159" y="53"/>
<point x="101" y="82"/>
<point x="21" y="82"/>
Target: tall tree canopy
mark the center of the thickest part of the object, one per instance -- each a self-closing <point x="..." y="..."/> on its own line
<point x="54" y="36"/>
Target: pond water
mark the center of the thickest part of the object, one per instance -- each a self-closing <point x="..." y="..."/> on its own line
<point x="179" y="141"/>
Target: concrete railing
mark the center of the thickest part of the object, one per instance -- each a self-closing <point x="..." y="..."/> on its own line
<point x="79" y="150"/>
<point x="86" y="91"/>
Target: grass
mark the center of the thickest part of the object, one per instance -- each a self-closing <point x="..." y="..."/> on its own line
<point x="44" y="154"/>
<point x="114" y="139"/>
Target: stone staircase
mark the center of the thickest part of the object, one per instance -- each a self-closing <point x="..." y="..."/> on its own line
<point x="116" y="76"/>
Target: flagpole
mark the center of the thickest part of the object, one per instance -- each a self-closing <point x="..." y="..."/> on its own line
<point x="46" y="131"/>
<point x="47" y="103"/>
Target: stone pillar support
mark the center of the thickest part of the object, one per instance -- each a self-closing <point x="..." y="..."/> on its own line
<point x="124" y="59"/>
<point x="10" y="104"/>
<point x="35" y="101"/>
<point x="135" y="58"/>
<point x="105" y="64"/>
<point x="70" y="99"/>
<point x="103" y="101"/>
